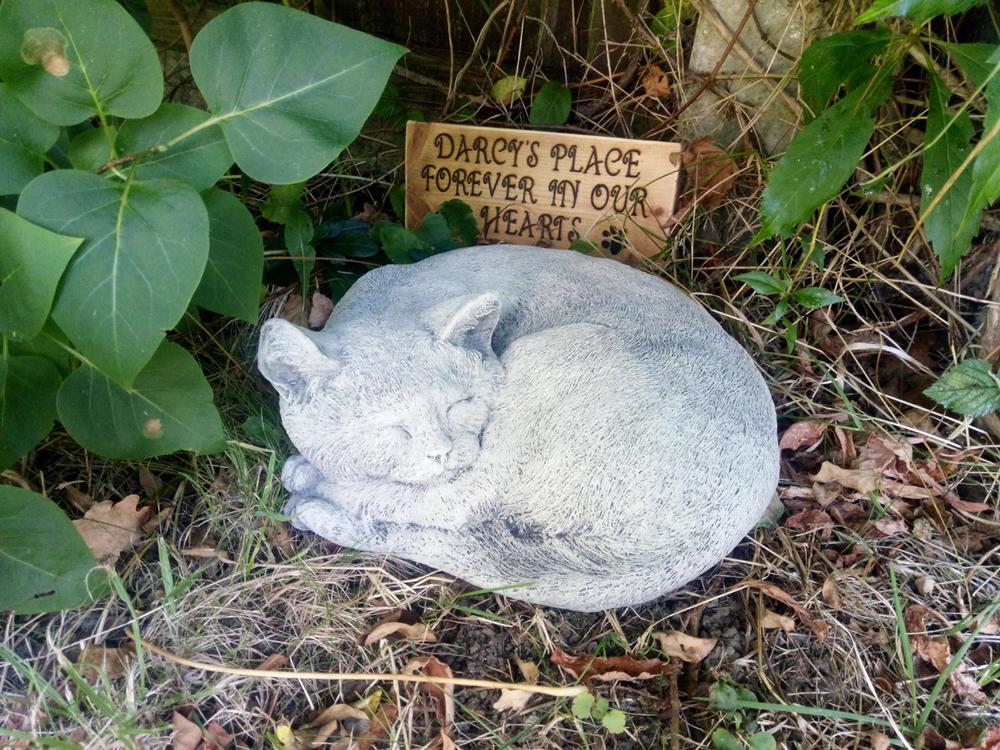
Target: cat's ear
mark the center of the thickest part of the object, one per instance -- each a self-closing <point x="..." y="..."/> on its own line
<point x="468" y="321"/>
<point x="287" y="356"/>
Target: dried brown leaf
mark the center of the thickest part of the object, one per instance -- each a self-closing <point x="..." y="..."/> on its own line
<point x="294" y="310"/>
<point x="608" y="668"/>
<point x="966" y="685"/>
<point x="113" y="662"/>
<point x="989" y="741"/>
<point x="774" y="621"/>
<point x="418" y="631"/>
<point x="711" y="172"/>
<point x="281" y="538"/>
<point x="443" y="696"/>
<point x="274" y="661"/>
<point x="683" y="646"/>
<point x="805" y="433"/>
<point x="810" y="519"/>
<point x="966" y="505"/>
<point x="186" y="735"/>
<point x="655" y="82"/>
<point x="819" y="628"/>
<point x="78" y="499"/>
<point x="887" y="527"/>
<point x="880" y="741"/>
<point x="529" y="670"/>
<point x="217" y="738"/>
<point x="322" y="308"/>
<point x="831" y="592"/>
<point x="110" y="528"/>
<point x="512" y="700"/>
<point x="862" y="480"/>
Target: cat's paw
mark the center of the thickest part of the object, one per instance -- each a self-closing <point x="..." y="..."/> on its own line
<point x="327" y="519"/>
<point x="298" y="475"/>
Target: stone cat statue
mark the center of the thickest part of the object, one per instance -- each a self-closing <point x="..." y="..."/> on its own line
<point x="568" y="429"/>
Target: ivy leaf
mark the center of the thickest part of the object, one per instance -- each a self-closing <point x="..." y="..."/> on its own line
<point x="168" y="408"/>
<point x="461" y="221"/>
<point x="582" y="705"/>
<point x="508" y="89"/>
<point x="137" y="269"/>
<point x="28" y="387"/>
<point x="290" y="90"/>
<point x="298" y="238"/>
<point x="32" y="260"/>
<point x="551" y="105"/>
<point x="44" y="563"/>
<point x="614" y="721"/>
<point x="815" y="296"/>
<point x="231" y="283"/>
<point x="970" y="388"/>
<point x="949" y="234"/>
<point x="763" y="282"/>
<point x="68" y="61"/>
<point x="918" y="10"/>
<point x="843" y="59"/>
<point x="723" y="739"/>
<point x="24" y="139"/>
<point x="199" y="160"/>
<point x="819" y="160"/>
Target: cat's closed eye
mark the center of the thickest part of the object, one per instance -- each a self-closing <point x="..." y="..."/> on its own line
<point x="397" y="433"/>
<point x="469" y="413"/>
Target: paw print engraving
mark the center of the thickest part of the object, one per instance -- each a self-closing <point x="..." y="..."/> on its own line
<point x="614" y="240"/>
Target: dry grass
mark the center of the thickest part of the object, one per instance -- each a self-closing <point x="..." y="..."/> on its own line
<point x="861" y="365"/>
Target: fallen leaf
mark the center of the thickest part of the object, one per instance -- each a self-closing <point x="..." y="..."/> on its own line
<point x="965" y="685"/>
<point x="186" y="734"/>
<point x="831" y="593"/>
<point x="608" y="668"/>
<point x="989" y="741"/>
<point x="862" y="480"/>
<point x="655" y="82"/>
<point x="111" y="528"/>
<point x="818" y="627"/>
<point x="380" y="726"/>
<point x="274" y="662"/>
<point x="294" y="310"/>
<point x="808" y="520"/>
<point x="322" y="308"/>
<point x="156" y="519"/>
<point x="887" y="527"/>
<point x="217" y="738"/>
<point x="113" y="662"/>
<point x="529" y="670"/>
<point x="966" y="505"/>
<point x="774" y="621"/>
<point x="711" y="172"/>
<point x="924" y="585"/>
<point x="805" y="433"/>
<point x="443" y="696"/>
<point x="417" y="631"/>
<point x="683" y="646"/>
<point x="79" y="500"/>
<point x="205" y="551"/>
<point x="512" y="700"/>
<point x="880" y="741"/>
<point x="151" y="485"/>
<point x="281" y="538"/>
<point x="338" y="718"/>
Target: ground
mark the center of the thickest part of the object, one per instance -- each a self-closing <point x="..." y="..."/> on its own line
<point x="868" y="608"/>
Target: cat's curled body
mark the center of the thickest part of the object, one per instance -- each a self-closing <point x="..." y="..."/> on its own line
<point x="526" y="417"/>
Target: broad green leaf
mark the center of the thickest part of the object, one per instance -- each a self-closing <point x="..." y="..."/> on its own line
<point x="44" y="564"/>
<point x="47" y="346"/>
<point x="28" y="387"/>
<point x="231" y="284"/>
<point x="949" y="233"/>
<point x="816" y="296"/>
<point x="723" y="739"/>
<point x="614" y="721"/>
<point x="168" y="408"/>
<point x="435" y="232"/>
<point x="90" y="149"/>
<point x="728" y="698"/>
<point x="762" y="282"/>
<point x="32" y="260"/>
<point x="298" y="241"/>
<point x="918" y="10"/>
<point x="145" y="247"/>
<point x="461" y="221"/>
<point x="971" y="388"/>
<point x="666" y="21"/>
<point x="398" y="242"/>
<point x="397" y="199"/>
<point x="508" y="89"/>
<point x="199" y="160"/>
<point x="582" y="705"/>
<point x="283" y="202"/>
<point x="101" y="61"/>
<point x="843" y="59"/>
<point x="762" y="741"/>
<point x="24" y="139"/>
<point x="551" y="105"/>
<point x="289" y="89"/>
<point x="601" y="708"/>
<point x="819" y="160"/>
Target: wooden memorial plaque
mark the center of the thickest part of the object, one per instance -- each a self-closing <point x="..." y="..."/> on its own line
<point x="541" y="188"/>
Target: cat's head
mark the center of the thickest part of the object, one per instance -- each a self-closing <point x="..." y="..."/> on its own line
<point x="407" y="404"/>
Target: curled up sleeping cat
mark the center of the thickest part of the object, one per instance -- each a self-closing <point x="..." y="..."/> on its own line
<point x="569" y="429"/>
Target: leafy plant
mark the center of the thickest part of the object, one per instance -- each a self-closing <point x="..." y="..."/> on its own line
<point x="744" y="733"/>
<point x="781" y="286"/>
<point x="106" y="253"/>
<point x="853" y="69"/>
<point x="452" y="225"/>
<point x="971" y="388"/>
<point x="586" y="706"/>
<point x="551" y="105"/>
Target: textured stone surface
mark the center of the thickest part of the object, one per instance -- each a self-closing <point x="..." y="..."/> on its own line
<point x="562" y="424"/>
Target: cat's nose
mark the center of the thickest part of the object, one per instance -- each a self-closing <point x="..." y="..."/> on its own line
<point x="439" y="451"/>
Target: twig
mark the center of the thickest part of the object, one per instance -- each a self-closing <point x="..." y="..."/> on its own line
<point x="456" y="82"/>
<point x="558" y="692"/>
<point x="182" y="22"/>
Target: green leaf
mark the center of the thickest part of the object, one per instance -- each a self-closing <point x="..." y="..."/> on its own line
<point x="145" y="247"/>
<point x="949" y="234"/>
<point x="113" y="68"/>
<point x="397" y="199"/>
<point x="231" y="284"/>
<point x="168" y="408"/>
<point x="44" y="563"/>
<point x="583" y="246"/>
<point x="28" y="387"/>
<point x="819" y="160"/>
<point x="283" y="202"/>
<point x="32" y="261"/>
<point x="614" y="721"/>
<point x="723" y="739"/>
<point x="289" y="89"/>
<point x="816" y="296"/>
<point x="970" y="388"/>
<point x="762" y="282"/>
<point x="551" y="105"/>
<point x="508" y="89"/>
<point x="582" y="705"/>
<point x="601" y="708"/>
<point x="985" y="188"/>
<point x="667" y="19"/>
<point x="435" y="232"/>
<point x="398" y="242"/>
<point x="24" y="139"/>
<point x="918" y="10"/>
<point x="298" y="236"/>
<point x="199" y="160"/>
<point x="461" y="221"/>
<point x="843" y="59"/>
<point x="90" y="149"/>
<point x="728" y="698"/>
<point x="762" y="741"/>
